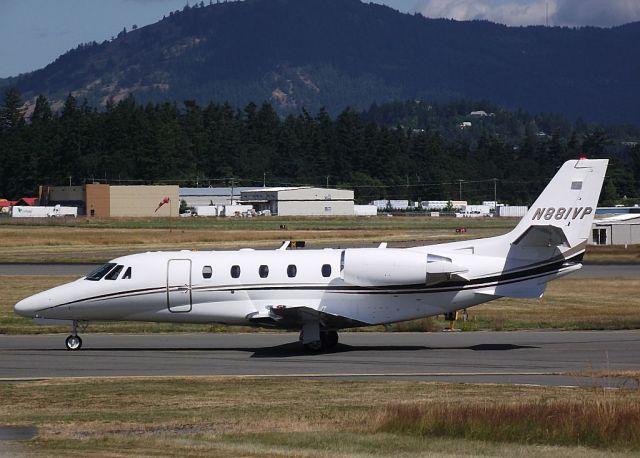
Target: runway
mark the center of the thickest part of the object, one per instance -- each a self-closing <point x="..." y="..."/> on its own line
<point x="587" y="271"/>
<point x="543" y="358"/>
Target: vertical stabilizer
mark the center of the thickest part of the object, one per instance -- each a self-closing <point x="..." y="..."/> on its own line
<point x="566" y="207"/>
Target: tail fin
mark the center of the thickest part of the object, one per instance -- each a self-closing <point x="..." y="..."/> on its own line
<point x="563" y="213"/>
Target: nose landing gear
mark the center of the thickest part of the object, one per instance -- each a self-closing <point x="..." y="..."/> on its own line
<point x="74" y="342"/>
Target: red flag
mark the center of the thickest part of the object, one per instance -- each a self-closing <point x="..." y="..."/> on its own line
<point x="165" y="200"/>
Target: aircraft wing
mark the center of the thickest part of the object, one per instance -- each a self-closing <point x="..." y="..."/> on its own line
<point x="294" y="317"/>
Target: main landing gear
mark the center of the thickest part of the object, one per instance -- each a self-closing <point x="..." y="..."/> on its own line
<point x="74" y="342"/>
<point x="316" y="340"/>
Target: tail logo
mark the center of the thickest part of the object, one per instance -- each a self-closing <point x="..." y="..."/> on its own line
<point x="561" y="213"/>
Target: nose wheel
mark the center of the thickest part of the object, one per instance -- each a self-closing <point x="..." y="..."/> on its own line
<point x="74" y="342"/>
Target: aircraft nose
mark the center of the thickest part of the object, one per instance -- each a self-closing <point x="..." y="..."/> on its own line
<point x="29" y="306"/>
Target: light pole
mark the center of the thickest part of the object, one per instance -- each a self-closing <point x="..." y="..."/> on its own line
<point x="495" y="191"/>
<point x="460" y="189"/>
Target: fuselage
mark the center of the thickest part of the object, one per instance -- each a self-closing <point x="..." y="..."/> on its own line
<point x="233" y="287"/>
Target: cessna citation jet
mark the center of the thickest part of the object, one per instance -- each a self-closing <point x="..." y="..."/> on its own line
<point x="319" y="292"/>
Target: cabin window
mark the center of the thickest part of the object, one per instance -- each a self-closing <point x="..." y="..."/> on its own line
<point x="127" y="274"/>
<point x="235" y="271"/>
<point x="326" y="270"/>
<point x="207" y="272"/>
<point x="292" y="270"/>
<point x="100" y="272"/>
<point x="263" y="271"/>
<point x="342" y="261"/>
<point x="113" y="275"/>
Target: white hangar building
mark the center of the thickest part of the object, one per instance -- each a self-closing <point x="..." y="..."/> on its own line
<point x="301" y="201"/>
<point x="616" y="230"/>
<point x="211" y="196"/>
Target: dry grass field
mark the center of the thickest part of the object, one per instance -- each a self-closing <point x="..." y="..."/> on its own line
<point x="84" y="240"/>
<point x="568" y="304"/>
<point x="210" y="416"/>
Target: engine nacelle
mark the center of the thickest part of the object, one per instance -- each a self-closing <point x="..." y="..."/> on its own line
<point x="384" y="267"/>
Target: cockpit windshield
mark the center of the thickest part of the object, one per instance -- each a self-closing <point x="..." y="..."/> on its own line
<point x="100" y="272"/>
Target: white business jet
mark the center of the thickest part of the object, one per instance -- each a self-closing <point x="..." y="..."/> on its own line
<point x="319" y="292"/>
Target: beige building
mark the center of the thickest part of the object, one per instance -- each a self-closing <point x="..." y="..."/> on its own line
<point x="301" y="201"/>
<point x="104" y="201"/>
<point x="131" y="201"/>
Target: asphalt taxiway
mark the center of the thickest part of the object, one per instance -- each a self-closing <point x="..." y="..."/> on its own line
<point x="546" y="358"/>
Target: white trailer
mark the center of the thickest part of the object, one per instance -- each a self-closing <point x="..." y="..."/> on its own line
<point x="476" y="210"/>
<point x="59" y="211"/>
<point x="237" y="210"/>
<point x="43" y="212"/>
<point x="365" y="210"/>
<point x="206" y="210"/>
<point x="512" y="211"/>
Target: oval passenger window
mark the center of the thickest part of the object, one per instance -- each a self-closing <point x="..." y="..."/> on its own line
<point x="326" y="270"/>
<point x="292" y="271"/>
<point x="263" y="271"/>
<point x="207" y="271"/>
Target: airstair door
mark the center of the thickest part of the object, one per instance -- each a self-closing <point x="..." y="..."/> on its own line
<point x="179" y="285"/>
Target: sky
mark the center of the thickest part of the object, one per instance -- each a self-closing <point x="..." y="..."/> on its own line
<point x="33" y="33"/>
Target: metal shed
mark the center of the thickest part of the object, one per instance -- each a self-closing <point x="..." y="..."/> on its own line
<point x="301" y="201"/>
<point x="616" y="230"/>
<point x="212" y="196"/>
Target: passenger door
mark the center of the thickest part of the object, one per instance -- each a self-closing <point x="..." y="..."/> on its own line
<point x="179" y="285"/>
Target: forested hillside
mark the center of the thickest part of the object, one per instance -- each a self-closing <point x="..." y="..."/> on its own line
<point x="343" y="53"/>
<point x="407" y="150"/>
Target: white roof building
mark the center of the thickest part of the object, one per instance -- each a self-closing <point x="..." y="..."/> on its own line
<point x="300" y="201"/>
<point x="211" y="196"/>
<point x="616" y="230"/>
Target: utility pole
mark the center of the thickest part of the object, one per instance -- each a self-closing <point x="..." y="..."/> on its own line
<point x="495" y="191"/>
<point x="460" y="189"/>
<point x="264" y="179"/>
<point x="328" y="181"/>
<point x="231" y="192"/>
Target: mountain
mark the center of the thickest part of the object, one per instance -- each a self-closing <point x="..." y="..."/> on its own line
<point x="337" y="53"/>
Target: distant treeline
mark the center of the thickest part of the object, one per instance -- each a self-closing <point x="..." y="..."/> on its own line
<point x="409" y="150"/>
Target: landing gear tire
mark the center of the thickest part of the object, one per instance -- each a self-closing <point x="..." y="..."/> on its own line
<point x="329" y="339"/>
<point x="73" y="343"/>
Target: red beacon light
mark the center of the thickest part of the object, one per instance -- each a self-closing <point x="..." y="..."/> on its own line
<point x="582" y="157"/>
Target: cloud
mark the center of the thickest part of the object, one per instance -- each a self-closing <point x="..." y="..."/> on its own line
<point x="531" y="12"/>
<point x="597" y="12"/>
